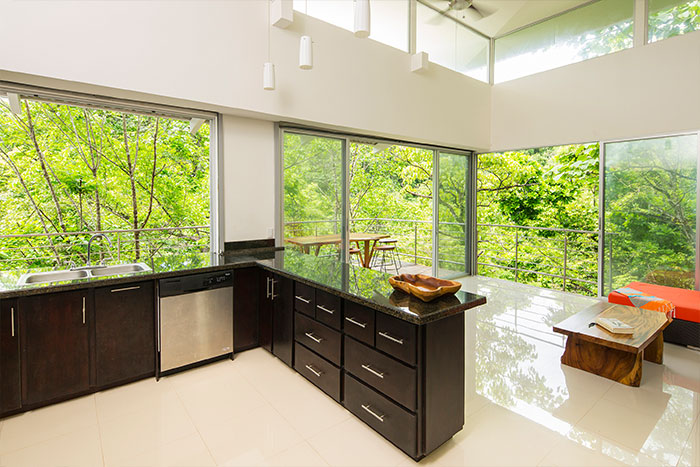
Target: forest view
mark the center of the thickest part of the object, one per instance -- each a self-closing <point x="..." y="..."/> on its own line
<point x="67" y="169"/>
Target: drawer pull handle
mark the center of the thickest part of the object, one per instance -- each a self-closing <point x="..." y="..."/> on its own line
<point x="321" y="307"/>
<point x="376" y="373"/>
<point x="12" y="310"/>
<point x="311" y="336"/>
<point x="391" y="338"/>
<point x="314" y="371"/>
<point x="368" y="408"/>
<point x="302" y="299"/>
<point x="356" y="323"/>
<point x="83" y="310"/>
<point x="125" y="289"/>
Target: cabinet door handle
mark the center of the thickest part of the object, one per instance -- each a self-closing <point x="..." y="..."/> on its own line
<point x="124" y="289"/>
<point x="267" y="290"/>
<point x="298" y="297"/>
<point x="311" y="336"/>
<point x="321" y="307"/>
<point x="272" y="293"/>
<point x="376" y="373"/>
<point x="356" y="323"/>
<point x="83" y="310"/>
<point x="314" y="371"/>
<point x="391" y="338"/>
<point x="368" y="408"/>
<point x="12" y="320"/>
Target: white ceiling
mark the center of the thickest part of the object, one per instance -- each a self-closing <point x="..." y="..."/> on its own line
<point x="507" y="15"/>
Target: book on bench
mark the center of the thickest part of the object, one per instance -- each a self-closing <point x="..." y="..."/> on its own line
<point x="614" y="325"/>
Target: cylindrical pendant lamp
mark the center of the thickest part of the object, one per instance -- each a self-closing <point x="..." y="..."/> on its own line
<point x="269" y="76"/>
<point x="362" y="18"/>
<point x="306" y="53"/>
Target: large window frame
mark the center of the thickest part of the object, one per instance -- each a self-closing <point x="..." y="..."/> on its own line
<point x="346" y="138"/>
<point x="77" y="99"/>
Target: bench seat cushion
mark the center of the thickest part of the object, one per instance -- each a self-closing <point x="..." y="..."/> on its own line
<point x="687" y="302"/>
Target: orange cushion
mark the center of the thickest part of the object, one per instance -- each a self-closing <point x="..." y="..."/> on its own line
<point x="687" y="302"/>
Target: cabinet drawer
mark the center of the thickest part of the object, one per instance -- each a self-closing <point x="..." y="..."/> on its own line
<point x="328" y="309"/>
<point x="304" y="299"/>
<point x="393" y="378"/>
<point x="359" y="322"/>
<point x="393" y="422"/>
<point x="318" y="337"/>
<point x="397" y="338"/>
<point x="317" y="370"/>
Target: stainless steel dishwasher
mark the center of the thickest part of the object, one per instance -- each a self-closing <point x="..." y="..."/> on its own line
<point x="195" y="319"/>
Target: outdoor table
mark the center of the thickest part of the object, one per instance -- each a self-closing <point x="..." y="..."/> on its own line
<point x="369" y="240"/>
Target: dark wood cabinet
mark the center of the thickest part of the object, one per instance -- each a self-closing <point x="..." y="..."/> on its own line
<point x="276" y="315"/>
<point x="124" y="333"/>
<point x="282" y="295"/>
<point x="10" y="397"/>
<point x="265" y="310"/>
<point x="55" y="346"/>
<point x="245" y="309"/>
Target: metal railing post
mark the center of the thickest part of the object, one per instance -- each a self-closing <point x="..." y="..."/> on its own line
<point x="415" y="243"/>
<point x="517" y="241"/>
<point x="566" y="244"/>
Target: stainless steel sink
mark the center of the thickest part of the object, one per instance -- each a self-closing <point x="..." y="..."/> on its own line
<point x="51" y="276"/>
<point x="69" y="275"/>
<point x="118" y="269"/>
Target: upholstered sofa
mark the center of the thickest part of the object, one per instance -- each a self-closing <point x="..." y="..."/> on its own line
<point x="685" y="328"/>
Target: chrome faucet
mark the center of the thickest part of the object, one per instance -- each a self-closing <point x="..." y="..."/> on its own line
<point x="89" y="247"/>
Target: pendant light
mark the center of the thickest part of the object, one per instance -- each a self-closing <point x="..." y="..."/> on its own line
<point x="362" y="18"/>
<point x="268" y="67"/>
<point x="306" y="53"/>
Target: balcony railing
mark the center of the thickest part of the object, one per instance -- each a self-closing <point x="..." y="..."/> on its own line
<point x="59" y="249"/>
<point x="564" y="259"/>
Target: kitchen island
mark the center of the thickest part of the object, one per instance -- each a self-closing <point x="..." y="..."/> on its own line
<point x="395" y="362"/>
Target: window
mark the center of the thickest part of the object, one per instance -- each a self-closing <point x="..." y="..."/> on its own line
<point x="650" y="212"/>
<point x="389" y="18"/>
<point x="668" y="18"/>
<point x="591" y="31"/>
<point x="68" y="170"/>
<point x="451" y="44"/>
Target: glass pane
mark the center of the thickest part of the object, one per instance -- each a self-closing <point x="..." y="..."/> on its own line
<point x="391" y="194"/>
<point x="312" y="192"/>
<point x="453" y="202"/>
<point x="594" y="30"/>
<point x="650" y="212"/>
<point x="668" y="18"/>
<point x="450" y="44"/>
<point x="389" y="18"/>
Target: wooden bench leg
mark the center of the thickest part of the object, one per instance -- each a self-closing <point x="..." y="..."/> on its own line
<point x="617" y="365"/>
<point x="655" y="351"/>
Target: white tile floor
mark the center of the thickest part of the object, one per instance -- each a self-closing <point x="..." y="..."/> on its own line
<point x="522" y="408"/>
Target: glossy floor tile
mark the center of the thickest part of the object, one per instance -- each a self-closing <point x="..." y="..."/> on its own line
<point x="522" y="407"/>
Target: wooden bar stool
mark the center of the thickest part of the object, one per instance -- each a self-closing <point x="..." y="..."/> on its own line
<point x="385" y="250"/>
<point x="355" y="253"/>
<point x="391" y="241"/>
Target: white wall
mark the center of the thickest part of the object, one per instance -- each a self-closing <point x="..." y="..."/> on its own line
<point x="212" y="52"/>
<point x="638" y="92"/>
<point x="249" y="183"/>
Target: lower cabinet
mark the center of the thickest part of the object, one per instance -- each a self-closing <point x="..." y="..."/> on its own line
<point x="265" y="309"/>
<point x="276" y="315"/>
<point x="124" y="333"/>
<point x="10" y="397"/>
<point x="55" y="346"/>
<point x="245" y="309"/>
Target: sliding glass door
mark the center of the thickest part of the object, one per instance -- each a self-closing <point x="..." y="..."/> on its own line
<point x="650" y="212"/>
<point x="313" y="193"/>
<point x="452" y="246"/>
<point x="399" y="211"/>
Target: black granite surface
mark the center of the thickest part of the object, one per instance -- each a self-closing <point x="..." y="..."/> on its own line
<point x="365" y="286"/>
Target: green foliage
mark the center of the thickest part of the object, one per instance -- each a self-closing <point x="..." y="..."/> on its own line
<point x="70" y="169"/>
<point x="668" y="21"/>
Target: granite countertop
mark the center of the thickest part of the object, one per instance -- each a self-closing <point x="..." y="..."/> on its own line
<point x="365" y="286"/>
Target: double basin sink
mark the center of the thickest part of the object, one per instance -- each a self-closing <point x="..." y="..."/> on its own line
<point x="82" y="273"/>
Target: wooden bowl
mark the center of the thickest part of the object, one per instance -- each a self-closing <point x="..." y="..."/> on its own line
<point x="426" y="288"/>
